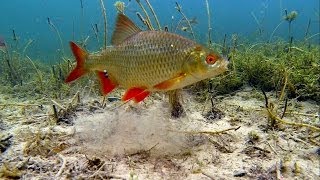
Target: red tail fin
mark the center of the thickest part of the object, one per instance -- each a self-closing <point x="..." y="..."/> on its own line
<point x="80" y="56"/>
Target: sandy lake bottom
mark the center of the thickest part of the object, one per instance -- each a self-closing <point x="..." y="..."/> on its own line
<point x="232" y="140"/>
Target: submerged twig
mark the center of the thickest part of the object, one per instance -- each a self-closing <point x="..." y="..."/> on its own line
<point x="211" y="132"/>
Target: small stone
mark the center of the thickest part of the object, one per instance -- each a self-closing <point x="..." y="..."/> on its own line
<point x="239" y="173"/>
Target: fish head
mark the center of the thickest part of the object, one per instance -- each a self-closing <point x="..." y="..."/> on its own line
<point x="203" y="63"/>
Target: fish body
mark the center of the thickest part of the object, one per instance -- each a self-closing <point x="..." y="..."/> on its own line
<point x="147" y="61"/>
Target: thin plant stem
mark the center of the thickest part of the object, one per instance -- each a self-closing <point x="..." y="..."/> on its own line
<point x="146" y="14"/>
<point x="275" y="29"/>
<point x="81" y="19"/>
<point x="58" y="34"/>
<point x="209" y="23"/>
<point x="38" y="72"/>
<point x="310" y="37"/>
<point x="154" y="14"/>
<point x="104" y="14"/>
<point x="179" y="9"/>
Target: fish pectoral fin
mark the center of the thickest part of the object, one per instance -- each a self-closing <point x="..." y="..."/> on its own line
<point x="170" y="82"/>
<point x="106" y="83"/>
<point x="137" y="94"/>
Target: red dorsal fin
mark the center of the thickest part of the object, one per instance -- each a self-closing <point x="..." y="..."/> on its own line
<point x="106" y="84"/>
<point x="80" y="56"/>
<point x="124" y="29"/>
<point x="137" y="94"/>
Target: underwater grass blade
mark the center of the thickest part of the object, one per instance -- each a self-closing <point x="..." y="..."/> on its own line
<point x="81" y="19"/>
<point x="27" y="46"/>
<point x="148" y="21"/>
<point x="154" y="14"/>
<point x="38" y="73"/>
<point x="14" y="78"/>
<point x="145" y="22"/>
<point x="104" y="14"/>
<point x="58" y="34"/>
<point x="258" y="23"/>
<point x="209" y="23"/>
<point x="275" y="29"/>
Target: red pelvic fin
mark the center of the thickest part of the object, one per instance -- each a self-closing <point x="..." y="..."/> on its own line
<point x="80" y="56"/>
<point x="141" y="96"/>
<point x="137" y="94"/>
<point x="106" y="84"/>
<point x="170" y="82"/>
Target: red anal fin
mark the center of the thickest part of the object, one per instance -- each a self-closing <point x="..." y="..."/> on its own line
<point x="106" y="84"/>
<point x="80" y="56"/>
<point x="137" y="94"/>
<point x="169" y="83"/>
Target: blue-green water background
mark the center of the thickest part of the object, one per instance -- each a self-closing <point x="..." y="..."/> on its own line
<point x="29" y="19"/>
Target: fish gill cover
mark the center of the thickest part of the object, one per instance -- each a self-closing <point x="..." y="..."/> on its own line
<point x="259" y="119"/>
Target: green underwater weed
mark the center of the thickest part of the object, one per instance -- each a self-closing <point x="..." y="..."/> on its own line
<point x="291" y="69"/>
<point x="270" y="67"/>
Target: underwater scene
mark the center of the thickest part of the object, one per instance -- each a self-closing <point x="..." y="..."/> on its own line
<point x="160" y="89"/>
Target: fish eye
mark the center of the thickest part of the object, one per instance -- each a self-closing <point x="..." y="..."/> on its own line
<point x="211" y="59"/>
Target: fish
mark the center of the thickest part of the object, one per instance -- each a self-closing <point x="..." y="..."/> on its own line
<point x="148" y="61"/>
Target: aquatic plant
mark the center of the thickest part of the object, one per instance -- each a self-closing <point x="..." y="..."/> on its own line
<point x="289" y="17"/>
<point x="120" y="6"/>
<point x="209" y="23"/>
<point x="147" y="21"/>
<point x="58" y="34"/>
<point x="154" y="14"/>
<point x="104" y="14"/>
<point x="179" y="9"/>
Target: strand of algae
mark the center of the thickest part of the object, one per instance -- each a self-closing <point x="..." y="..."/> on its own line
<point x="104" y="14"/>
<point x="146" y="14"/>
<point x="154" y="14"/>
